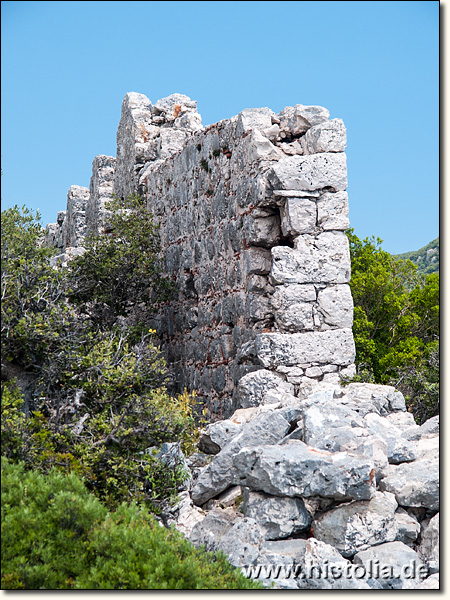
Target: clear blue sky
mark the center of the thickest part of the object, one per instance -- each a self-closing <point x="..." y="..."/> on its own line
<point x="67" y="65"/>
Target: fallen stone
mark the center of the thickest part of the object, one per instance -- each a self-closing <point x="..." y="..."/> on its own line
<point x="429" y="429"/>
<point x="408" y="527"/>
<point x="294" y="469"/>
<point x="268" y="428"/>
<point x="428" y="548"/>
<point x="392" y="563"/>
<point x="353" y="527"/>
<point x="330" y="136"/>
<point x="278" y="517"/>
<point x="297" y="119"/>
<point x="398" y="449"/>
<point x="252" y="388"/>
<point x="414" y="484"/>
<point x="216" y="435"/>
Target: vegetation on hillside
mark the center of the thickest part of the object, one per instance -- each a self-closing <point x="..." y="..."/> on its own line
<point x="426" y="259"/>
<point x="396" y="324"/>
<point x="56" y="535"/>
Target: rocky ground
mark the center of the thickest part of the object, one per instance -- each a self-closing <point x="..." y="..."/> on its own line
<point x="334" y="488"/>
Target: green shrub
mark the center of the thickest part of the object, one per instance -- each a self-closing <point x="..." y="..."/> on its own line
<point x="56" y="535"/>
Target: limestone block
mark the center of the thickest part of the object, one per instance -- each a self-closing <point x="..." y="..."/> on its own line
<point x="260" y="148"/>
<point x="209" y="530"/>
<point x="414" y="484"/>
<point x="429" y="429"/>
<point x="398" y="449"/>
<point x="101" y="190"/>
<point x="298" y="215"/>
<point x="253" y="118"/>
<point x="371" y="397"/>
<point x="217" y="435"/>
<point x="75" y="221"/>
<point x="262" y="231"/>
<point x="428" y="548"/>
<point x="242" y="542"/>
<point x="402" y="420"/>
<point x="312" y="172"/>
<point x="336" y="305"/>
<point x="219" y="474"/>
<point x="330" y="136"/>
<point x="253" y="387"/>
<point x="278" y="517"/>
<point x="332" y="211"/>
<point x="323" y="347"/>
<point x="297" y="119"/>
<point x="393" y="556"/>
<point x="257" y="261"/>
<point x="324" y="258"/>
<point x="353" y="527"/>
<point x="408" y="527"/>
<point x="295" y="469"/>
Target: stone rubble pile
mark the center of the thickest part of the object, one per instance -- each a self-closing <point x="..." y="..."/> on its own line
<point x="339" y="477"/>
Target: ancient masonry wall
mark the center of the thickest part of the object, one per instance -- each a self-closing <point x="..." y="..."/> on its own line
<point x="252" y="213"/>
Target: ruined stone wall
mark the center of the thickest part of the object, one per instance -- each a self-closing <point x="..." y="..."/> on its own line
<point x="252" y="213"/>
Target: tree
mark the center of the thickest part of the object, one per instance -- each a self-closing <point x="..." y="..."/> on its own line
<point x="92" y="388"/>
<point x="396" y="323"/>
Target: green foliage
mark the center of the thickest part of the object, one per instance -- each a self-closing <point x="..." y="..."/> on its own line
<point x="82" y="364"/>
<point x="120" y="274"/>
<point x="56" y="535"/>
<point x="396" y="324"/>
<point x="426" y="259"/>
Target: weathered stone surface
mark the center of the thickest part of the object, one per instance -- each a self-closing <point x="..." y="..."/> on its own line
<point x="257" y="261"/>
<point x="217" y="435"/>
<point x="186" y="515"/>
<point x="101" y="190"/>
<point x="430" y="583"/>
<point x="398" y="449"/>
<point x="253" y="387"/>
<point x="330" y="136"/>
<point x="313" y="172"/>
<point x="414" y="484"/>
<point x="429" y="429"/>
<point x="294" y="120"/>
<point x="402" y="420"/>
<point x="211" y="528"/>
<point x="353" y="527"/>
<point x="278" y="517"/>
<point x="332" y="211"/>
<point x="263" y="231"/>
<point x="336" y="306"/>
<point x="428" y="548"/>
<point x="408" y="527"/>
<point x="323" y="258"/>
<point x="254" y="118"/>
<point x="294" y="469"/>
<point x="75" y="219"/>
<point x="298" y="215"/>
<point x="371" y="397"/>
<point x="391" y="558"/>
<point x="220" y="473"/>
<point x="335" y="346"/>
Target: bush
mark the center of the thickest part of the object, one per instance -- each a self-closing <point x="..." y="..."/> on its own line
<point x="56" y="535"/>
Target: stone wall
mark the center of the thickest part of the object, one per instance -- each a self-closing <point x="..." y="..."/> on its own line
<point x="252" y="213"/>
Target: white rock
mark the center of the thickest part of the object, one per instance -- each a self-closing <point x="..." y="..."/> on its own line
<point x="335" y="346"/>
<point x="330" y="136"/>
<point x="428" y="548"/>
<point x="253" y="387"/>
<point x="332" y="211"/>
<point x="298" y="215"/>
<point x="414" y="484"/>
<point x="312" y="172"/>
<point x="298" y="119"/>
<point x="336" y="305"/>
<point x="254" y="118"/>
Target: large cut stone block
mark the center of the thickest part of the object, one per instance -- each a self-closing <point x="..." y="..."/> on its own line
<point x="312" y="172"/>
<point x="324" y="258"/>
<point x="324" y="347"/>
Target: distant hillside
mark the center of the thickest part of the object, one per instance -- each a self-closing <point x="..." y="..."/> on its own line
<point x="426" y="259"/>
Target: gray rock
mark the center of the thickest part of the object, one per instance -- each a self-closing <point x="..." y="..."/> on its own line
<point x="428" y="548"/>
<point x="330" y="136"/>
<point x="297" y="119"/>
<point x="392" y="564"/>
<point x="402" y="420"/>
<point x="332" y="211"/>
<point x="220" y="473"/>
<point x="216" y="435"/>
<point x="336" y="306"/>
<point x="356" y="526"/>
<point x="324" y="258"/>
<point x="242" y="542"/>
<point x="414" y="484"/>
<point x="294" y="469"/>
<point x="398" y="449"/>
<point x="279" y="349"/>
<point x="253" y="387"/>
<point x="254" y="118"/>
<point x="408" y="527"/>
<point x="298" y="215"/>
<point x="430" y="583"/>
<point x="278" y="517"/>
<point x="371" y="397"/>
<point x="208" y="531"/>
<point x="310" y="173"/>
<point x="429" y="429"/>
